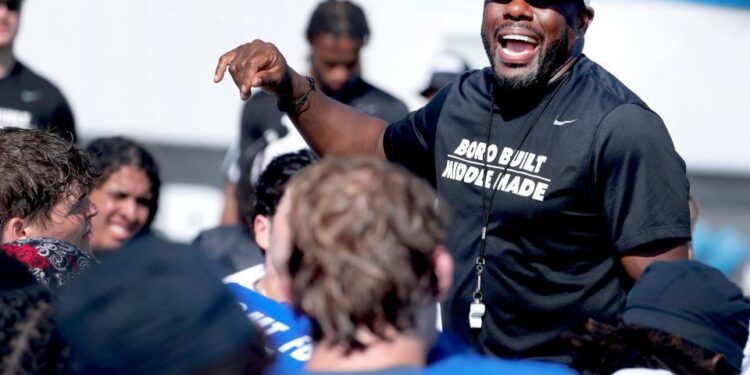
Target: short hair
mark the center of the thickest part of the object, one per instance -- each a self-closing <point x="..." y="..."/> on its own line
<point x="340" y="18"/>
<point x="364" y="235"/>
<point x="112" y="153"/>
<point x="605" y="349"/>
<point x="273" y="180"/>
<point x="38" y="169"/>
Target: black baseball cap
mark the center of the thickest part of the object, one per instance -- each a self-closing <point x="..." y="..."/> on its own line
<point x="694" y="301"/>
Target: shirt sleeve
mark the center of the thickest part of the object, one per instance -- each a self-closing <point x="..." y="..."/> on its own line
<point x="640" y="179"/>
<point x="411" y="141"/>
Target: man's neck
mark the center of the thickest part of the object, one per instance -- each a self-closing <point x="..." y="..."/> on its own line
<point x="404" y="350"/>
<point x="7" y="61"/>
<point x="269" y="284"/>
<point x="564" y="68"/>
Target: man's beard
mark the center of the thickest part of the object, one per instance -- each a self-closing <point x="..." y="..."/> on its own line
<point x="548" y="62"/>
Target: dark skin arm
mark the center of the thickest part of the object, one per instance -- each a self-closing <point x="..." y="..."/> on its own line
<point x="637" y="261"/>
<point x="329" y="127"/>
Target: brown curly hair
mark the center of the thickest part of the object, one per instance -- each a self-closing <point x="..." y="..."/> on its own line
<point x="605" y="349"/>
<point x="38" y="169"/>
<point x="365" y="233"/>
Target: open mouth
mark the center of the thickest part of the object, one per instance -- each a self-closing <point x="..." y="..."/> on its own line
<point x="518" y="48"/>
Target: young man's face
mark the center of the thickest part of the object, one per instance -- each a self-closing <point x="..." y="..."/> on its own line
<point x="69" y="220"/>
<point x="9" y="15"/>
<point x="335" y="60"/>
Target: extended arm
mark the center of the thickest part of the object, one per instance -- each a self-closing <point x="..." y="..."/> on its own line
<point x="328" y="126"/>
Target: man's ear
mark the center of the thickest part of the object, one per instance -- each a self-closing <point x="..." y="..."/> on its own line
<point x="14" y="229"/>
<point x="585" y="17"/>
<point x="443" y="270"/>
<point x="262" y="232"/>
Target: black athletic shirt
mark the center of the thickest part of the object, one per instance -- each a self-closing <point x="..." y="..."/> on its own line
<point x="596" y="177"/>
<point x="30" y="101"/>
<point x="261" y="114"/>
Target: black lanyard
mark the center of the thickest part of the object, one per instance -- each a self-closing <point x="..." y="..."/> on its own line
<point x="477" y="308"/>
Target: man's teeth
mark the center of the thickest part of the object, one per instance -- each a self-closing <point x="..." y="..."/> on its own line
<point x="521" y="38"/>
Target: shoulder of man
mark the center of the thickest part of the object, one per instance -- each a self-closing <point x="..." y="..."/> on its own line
<point x="604" y="83"/>
<point x="29" y="80"/>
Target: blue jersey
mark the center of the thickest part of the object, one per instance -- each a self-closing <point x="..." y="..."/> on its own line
<point x="286" y="332"/>
<point x="460" y="364"/>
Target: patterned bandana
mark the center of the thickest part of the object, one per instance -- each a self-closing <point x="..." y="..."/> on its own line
<point x="52" y="262"/>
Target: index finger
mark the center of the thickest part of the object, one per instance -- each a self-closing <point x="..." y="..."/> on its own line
<point x="224" y="62"/>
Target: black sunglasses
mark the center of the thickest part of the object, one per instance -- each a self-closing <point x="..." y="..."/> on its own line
<point x="12" y="5"/>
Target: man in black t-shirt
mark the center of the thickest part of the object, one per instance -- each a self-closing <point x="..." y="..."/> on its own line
<point x="564" y="184"/>
<point x="336" y="32"/>
<point x="26" y="99"/>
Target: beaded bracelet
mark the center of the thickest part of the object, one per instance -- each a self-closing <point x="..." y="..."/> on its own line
<point x="292" y="105"/>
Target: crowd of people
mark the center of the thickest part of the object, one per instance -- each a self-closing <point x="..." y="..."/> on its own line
<point x="532" y="218"/>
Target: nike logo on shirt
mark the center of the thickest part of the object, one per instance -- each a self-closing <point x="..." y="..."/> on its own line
<point x="28" y="96"/>
<point x="561" y="123"/>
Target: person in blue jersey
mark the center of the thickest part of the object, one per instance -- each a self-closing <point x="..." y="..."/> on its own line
<point x="565" y="184"/>
<point x="257" y="288"/>
<point x="360" y="241"/>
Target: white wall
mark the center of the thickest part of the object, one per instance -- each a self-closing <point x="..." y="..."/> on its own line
<point x="144" y="67"/>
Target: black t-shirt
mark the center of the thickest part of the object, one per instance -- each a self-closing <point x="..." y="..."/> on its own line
<point x="261" y="114"/>
<point x="30" y="101"/>
<point x="596" y="177"/>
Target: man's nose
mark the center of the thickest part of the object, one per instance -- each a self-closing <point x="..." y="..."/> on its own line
<point x="518" y="10"/>
<point x="129" y="209"/>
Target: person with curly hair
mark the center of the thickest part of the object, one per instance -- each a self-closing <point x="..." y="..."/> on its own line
<point x="681" y="317"/>
<point x="44" y="191"/>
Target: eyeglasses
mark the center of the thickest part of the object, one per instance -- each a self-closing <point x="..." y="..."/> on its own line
<point x="12" y="5"/>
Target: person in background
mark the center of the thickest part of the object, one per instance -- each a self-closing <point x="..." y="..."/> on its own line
<point x="258" y="288"/>
<point x="156" y="307"/>
<point x="336" y="32"/>
<point x="263" y="278"/>
<point x="445" y="68"/>
<point x="681" y="317"/>
<point x="126" y="194"/>
<point x="361" y="243"/>
<point x="26" y="99"/>
<point x="44" y="189"/>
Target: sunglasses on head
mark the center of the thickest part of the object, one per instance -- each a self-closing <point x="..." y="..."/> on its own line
<point x="12" y="5"/>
